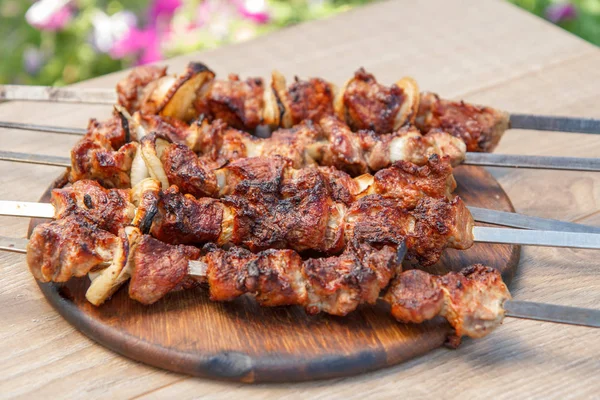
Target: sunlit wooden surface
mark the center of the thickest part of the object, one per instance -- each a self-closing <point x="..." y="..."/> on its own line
<point x="484" y="51"/>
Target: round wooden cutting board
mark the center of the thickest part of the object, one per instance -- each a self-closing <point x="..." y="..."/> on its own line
<point x="241" y="341"/>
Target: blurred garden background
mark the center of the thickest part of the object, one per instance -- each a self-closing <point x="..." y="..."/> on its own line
<point x="58" y="42"/>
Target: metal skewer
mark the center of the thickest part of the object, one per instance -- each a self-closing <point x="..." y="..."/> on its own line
<point x="552" y="313"/>
<point x="557" y="124"/>
<point x="515" y="220"/>
<point x="481" y="234"/>
<point x="55" y="161"/>
<point x="512" y="308"/>
<point x="57" y="94"/>
<point x="43" y="128"/>
<point x="507" y="219"/>
<point x="108" y="96"/>
<point x="533" y="162"/>
<point x="476" y="159"/>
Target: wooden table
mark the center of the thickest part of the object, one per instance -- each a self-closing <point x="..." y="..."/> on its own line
<point x="483" y="51"/>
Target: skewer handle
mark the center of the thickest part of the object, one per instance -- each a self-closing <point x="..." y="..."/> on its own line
<point x="54" y="161"/>
<point x="533" y="162"/>
<point x="26" y="209"/>
<point x="537" y="238"/>
<point x="552" y="313"/>
<point x="57" y="94"/>
<point x="523" y="221"/>
<point x="558" y="124"/>
<point x="43" y="128"/>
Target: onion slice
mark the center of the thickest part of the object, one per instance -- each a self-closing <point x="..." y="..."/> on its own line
<point x="139" y="171"/>
<point x="108" y="280"/>
<point x="152" y="148"/>
<point x="174" y="96"/>
<point x="410" y="106"/>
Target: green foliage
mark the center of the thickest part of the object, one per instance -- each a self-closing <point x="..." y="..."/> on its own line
<point x="68" y="56"/>
<point x="586" y="24"/>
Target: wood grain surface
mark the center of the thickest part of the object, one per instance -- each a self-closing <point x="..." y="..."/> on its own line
<point x="484" y="51"/>
<point x="241" y="341"/>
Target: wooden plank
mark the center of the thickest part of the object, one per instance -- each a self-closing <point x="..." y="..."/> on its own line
<point x="486" y="51"/>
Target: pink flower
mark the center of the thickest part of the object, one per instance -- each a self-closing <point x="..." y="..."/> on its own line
<point x="561" y="12"/>
<point x="49" y="15"/>
<point x="254" y="10"/>
<point x="146" y="42"/>
<point x="210" y="10"/>
<point x="107" y="30"/>
<point x="163" y="9"/>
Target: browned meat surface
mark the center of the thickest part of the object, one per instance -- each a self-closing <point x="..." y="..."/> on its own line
<point x="176" y="130"/>
<point x="312" y="220"/>
<point x="95" y="160"/>
<point x="345" y="151"/>
<point x="292" y="143"/>
<point x="335" y="285"/>
<point x="471" y="300"/>
<point x="481" y="128"/>
<point x="185" y="219"/>
<point x="432" y="226"/>
<point x="158" y="268"/>
<point x="131" y="89"/>
<point x="370" y="105"/>
<point x="415" y="297"/>
<point x="253" y="175"/>
<point x="409" y="183"/>
<point x="222" y="144"/>
<point x="69" y="247"/>
<point x="295" y="211"/>
<point x="192" y="174"/>
<point x="111" y="131"/>
<point x="440" y="224"/>
<point x="306" y="100"/>
<point x="111" y="210"/>
<point x="238" y="103"/>
<point x="344" y="189"/>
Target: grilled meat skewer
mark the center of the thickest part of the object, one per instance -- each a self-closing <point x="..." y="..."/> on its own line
<point x="105" y="153"/>
<point x="431" y="226"/>
<point x="474" y="301"/>
<point x="362" y="103"/>
<point x="485" y="215"/>
<point x="335" y="285"/>
<point x="307" y="218"/>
